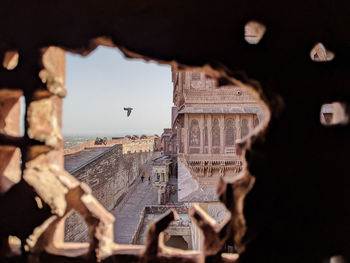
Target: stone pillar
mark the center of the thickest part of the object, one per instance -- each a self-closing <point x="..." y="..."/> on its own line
<point x="222" y="133"/>
<point x="201" y="127"/>
<point x="251" y="122"/>
<point x="238" y="127"/>
<point x="210" y="135"/>
<point x="186" y="134"/>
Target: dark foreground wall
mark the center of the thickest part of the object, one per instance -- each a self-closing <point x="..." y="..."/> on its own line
<point x="110" y="177"/>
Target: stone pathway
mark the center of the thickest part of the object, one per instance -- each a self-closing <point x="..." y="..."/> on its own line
<point x="127" y="213"/>
<point x="73" y="161"/>
<point x="173" y="197"/>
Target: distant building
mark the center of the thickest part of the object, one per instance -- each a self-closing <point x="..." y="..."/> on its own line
<point x="209" y="119"/>
<point x="160" y="177"/>
<point x="165" y="141"/>
<point x="206" y="122"/>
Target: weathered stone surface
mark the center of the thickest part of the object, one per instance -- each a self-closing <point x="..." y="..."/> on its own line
<point x="10" y="112"/>
<point x="10" y="170"/>
<point x="54" y="72"/>
<point x="44" y="118"/>
<point x="10" y="59"/>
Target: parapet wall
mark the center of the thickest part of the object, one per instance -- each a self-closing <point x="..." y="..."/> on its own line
<point x="129" y="145"/>
<point x="110" y="177"/>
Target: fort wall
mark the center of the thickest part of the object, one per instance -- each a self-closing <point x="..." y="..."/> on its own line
<point x="110" y="176"/>
<point x="129" y="145"/>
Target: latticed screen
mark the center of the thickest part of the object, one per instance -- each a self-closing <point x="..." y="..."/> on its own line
<point x="216" y="133"/>
<point x="229" y="133"/>
<point x="196" y="76"/>
<point x="194" y="133"/>
<point x="244" y="128"/>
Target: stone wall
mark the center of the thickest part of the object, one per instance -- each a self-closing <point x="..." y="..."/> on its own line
<point x="109" y="177"/>
<point x="129" y="145"/>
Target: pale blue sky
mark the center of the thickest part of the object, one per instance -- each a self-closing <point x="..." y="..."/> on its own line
<point x="103" y="83"/>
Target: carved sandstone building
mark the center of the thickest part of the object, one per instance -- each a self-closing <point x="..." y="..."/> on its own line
<point x="209" y="120"/>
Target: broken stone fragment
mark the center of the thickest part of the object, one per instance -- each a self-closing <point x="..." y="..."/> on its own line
<point x="54" y="71"/>
<point x="44" y="119"/>
<point x="46" y="184"/>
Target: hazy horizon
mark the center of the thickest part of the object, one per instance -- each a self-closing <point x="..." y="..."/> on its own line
<point x="99" y="87"/>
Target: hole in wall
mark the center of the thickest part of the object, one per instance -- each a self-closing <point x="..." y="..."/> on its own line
<point x="22" y="114"/>
<point x="199" y="145"/>
<point x="110" y="97"/>
<point x="254" y="32"/>
<point x="319" y="53"/>
<point x="75" y="228"/>
<point x="334" y="114"/>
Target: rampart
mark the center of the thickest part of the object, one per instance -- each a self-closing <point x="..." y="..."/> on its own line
<point x="129" y="145"/>
<point x="110" y="176"/>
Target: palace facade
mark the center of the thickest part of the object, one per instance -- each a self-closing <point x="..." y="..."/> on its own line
<point x="209" y="119"/>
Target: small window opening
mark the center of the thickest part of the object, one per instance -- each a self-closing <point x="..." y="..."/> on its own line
<point x="319" y="53"/>
<point x="22" y="115"/>
<point x="333" y="114"/>
<point x="254" y="32"/>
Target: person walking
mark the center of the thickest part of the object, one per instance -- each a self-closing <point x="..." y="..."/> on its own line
<point x="149" y="179"/>
<point x="142" y="178"/>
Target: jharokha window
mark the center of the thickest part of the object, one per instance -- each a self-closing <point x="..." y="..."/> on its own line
<point x="244" y="128"/>
<point x="216" y="133"/>
<point x="194" y="133"/>
<point x="229" y="133"/>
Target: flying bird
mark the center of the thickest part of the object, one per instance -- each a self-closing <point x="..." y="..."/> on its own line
<point x="128" y="111"/>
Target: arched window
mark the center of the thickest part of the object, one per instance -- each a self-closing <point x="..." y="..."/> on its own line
<point x="255" y="121"/>
<point x="244" y="128"/>
<point x="229" y="133"/>
<point x="216" y="133"/>
<point x="194" y="133"/>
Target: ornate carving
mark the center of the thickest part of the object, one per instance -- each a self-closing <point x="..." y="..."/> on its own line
<point x="216" y="133"/>
<point x="194" y="133"/>
<point x="201" y="167"/>
<point x="229" y="133"/>
<point x="244" y="128"/>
